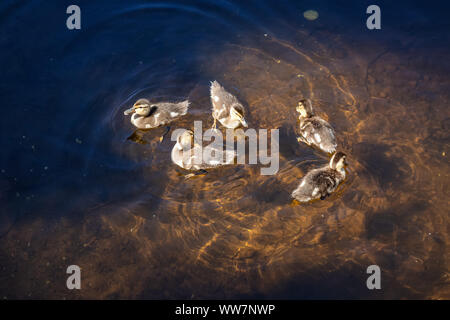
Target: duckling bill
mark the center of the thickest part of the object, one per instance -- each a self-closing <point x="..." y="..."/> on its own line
<point x="314" y="130"/>
<point x="321" y="182"/>
<point x="146" y="115"/>
<point x="226" y="108"/>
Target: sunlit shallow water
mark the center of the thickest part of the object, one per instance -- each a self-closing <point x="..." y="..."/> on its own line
<point x="74" y="190"/>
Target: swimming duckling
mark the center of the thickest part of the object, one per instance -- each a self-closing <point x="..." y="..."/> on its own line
<point x="148" y="115"/>
<point x="314" y="130"/>
<point x="321" y="182"/>
<point x="226" y="108"/>
<point x="186" y="149"/>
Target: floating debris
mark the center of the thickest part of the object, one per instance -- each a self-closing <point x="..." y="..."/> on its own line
<point x="78" y="141"/>
<point x="45" y="168"/>
<point x="311" y="15"/>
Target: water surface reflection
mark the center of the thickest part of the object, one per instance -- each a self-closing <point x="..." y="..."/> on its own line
<point x="74" y="190"/>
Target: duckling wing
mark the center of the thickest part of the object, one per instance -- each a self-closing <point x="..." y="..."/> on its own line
<point x="317" y="183"/>
<point x="148" y="122"/>
<point x="319" y="133"/>
<point x="189" y="159"/>
<point x="326" y="181"/>
<point x="221" y="101"/>
<point x="305" y="190"/>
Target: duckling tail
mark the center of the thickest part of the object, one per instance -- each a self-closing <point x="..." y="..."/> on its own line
<point x="182" y="107"/>
<point x="215" y="88"/>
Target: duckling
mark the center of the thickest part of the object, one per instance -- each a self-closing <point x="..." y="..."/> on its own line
<point x="314" y="130"/>
<point x="148" y="115"/>
<point x="321" y="182"/>
<point x="226" y="108"/>
<point x="185" y="150"/>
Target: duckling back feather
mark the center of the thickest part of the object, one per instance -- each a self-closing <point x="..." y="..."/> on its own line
<point x="318" y="132"/>
<point x="161" y="114"/>
<point x="208" y="158"/>
<point x="318" y="183"/>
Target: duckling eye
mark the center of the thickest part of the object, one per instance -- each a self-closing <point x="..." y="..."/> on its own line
<point x="238" y="112"/>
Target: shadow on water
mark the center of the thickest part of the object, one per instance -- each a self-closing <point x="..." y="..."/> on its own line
<point x="385" y="169"/>
<point x="75" y="190"/>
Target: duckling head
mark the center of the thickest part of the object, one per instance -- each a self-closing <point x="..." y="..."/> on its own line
<point x="185" y="140"/>
<point x="337" y="161"/>
<point x="305" y="109"/>
<point x="141" y="107"/>
<point x="237" y="113"/>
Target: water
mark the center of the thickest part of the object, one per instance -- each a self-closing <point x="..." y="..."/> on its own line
<point x="74" y="190"/>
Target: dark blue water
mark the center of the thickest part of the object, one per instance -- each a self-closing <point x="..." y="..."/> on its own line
<point x="74" y="190"/>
